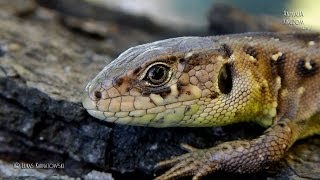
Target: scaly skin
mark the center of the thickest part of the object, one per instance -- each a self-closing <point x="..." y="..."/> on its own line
<point x="271" y="79"/>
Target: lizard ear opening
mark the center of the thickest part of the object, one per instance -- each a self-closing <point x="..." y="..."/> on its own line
<point x="225" y="79"/>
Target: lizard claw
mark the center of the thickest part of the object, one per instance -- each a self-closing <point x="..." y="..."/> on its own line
<point x="195" y="163"/>
<point x="188" y="147"/>
<point x="173" y="160"/>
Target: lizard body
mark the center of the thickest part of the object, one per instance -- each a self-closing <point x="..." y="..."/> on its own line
<point x="268" y="78"/>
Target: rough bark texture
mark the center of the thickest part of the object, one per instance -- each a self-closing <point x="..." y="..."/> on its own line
<point x="46" y="60"/>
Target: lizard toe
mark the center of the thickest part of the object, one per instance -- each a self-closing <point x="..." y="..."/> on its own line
<point x="170" y="162"/>
<point x="195" y="163"/>
<point x="188" y="147"/>
<point x="184" y="168"/>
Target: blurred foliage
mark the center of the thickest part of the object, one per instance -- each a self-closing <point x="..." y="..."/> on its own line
<point x="194" y="13"/>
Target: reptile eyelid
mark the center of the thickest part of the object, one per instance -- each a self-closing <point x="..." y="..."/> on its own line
<point x="144" y="74"/>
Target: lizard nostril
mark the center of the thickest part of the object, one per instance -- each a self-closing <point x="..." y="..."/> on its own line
<point x="98" y="94"/>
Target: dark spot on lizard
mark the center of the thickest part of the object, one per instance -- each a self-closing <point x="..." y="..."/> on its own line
<point x="194" y="62"/>
<point x="234" y="146"/>
<point x="98" y="94"/>
<point x="281" y="59"/>
<point x="145" y="93"/>
<point x="188" y="93"/>
<point x="163" y="92"/>
<point x="118" y="81"/>
<point x="226" y="50"/>
<point x="277" y="66"/>
<point x="136" y="70"/>
<point x="128" y="89"/>
<point x="214" y="95"/>
<point x="224" y="147"/>
<point x="179" y="88"/>
<point x="263" y="89"/>
<point x="182" y="60"/>
<point x="250" y="51"/>
<point x="307" y="69"/>
<point x="173" y="58"/>
<point x="281" y="125"/>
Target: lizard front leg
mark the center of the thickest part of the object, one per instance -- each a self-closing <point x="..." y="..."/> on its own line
<point x="241" y="156"/>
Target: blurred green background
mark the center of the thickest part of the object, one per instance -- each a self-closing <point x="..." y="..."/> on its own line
<point x="193" y="13"/>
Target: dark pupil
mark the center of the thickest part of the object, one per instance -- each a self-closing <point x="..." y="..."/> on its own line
<point x="157" y="74"/>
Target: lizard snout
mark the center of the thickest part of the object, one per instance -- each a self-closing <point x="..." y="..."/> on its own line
<point x="93" y="93"/>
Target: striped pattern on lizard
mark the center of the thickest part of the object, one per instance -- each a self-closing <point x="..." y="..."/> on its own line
<point x="269" y="78"/>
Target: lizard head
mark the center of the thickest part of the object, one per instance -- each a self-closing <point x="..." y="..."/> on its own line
<point x="175" y="82"/>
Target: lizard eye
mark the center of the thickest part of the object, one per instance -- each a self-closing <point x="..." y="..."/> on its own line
<point x="158" y="74"/>
<point x="225" y="79"/>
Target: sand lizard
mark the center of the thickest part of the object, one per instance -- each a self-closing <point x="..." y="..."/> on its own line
<point x="269" y="78"/>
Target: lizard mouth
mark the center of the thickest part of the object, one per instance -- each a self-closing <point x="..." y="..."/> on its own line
<point x="105" y="101"/>
<point x="155" y="117"/>
<point x="97" y="114"/>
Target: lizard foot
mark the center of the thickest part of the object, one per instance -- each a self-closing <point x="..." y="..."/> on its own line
<point x="196" y="162"/>
<point x="241" y="156"/>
